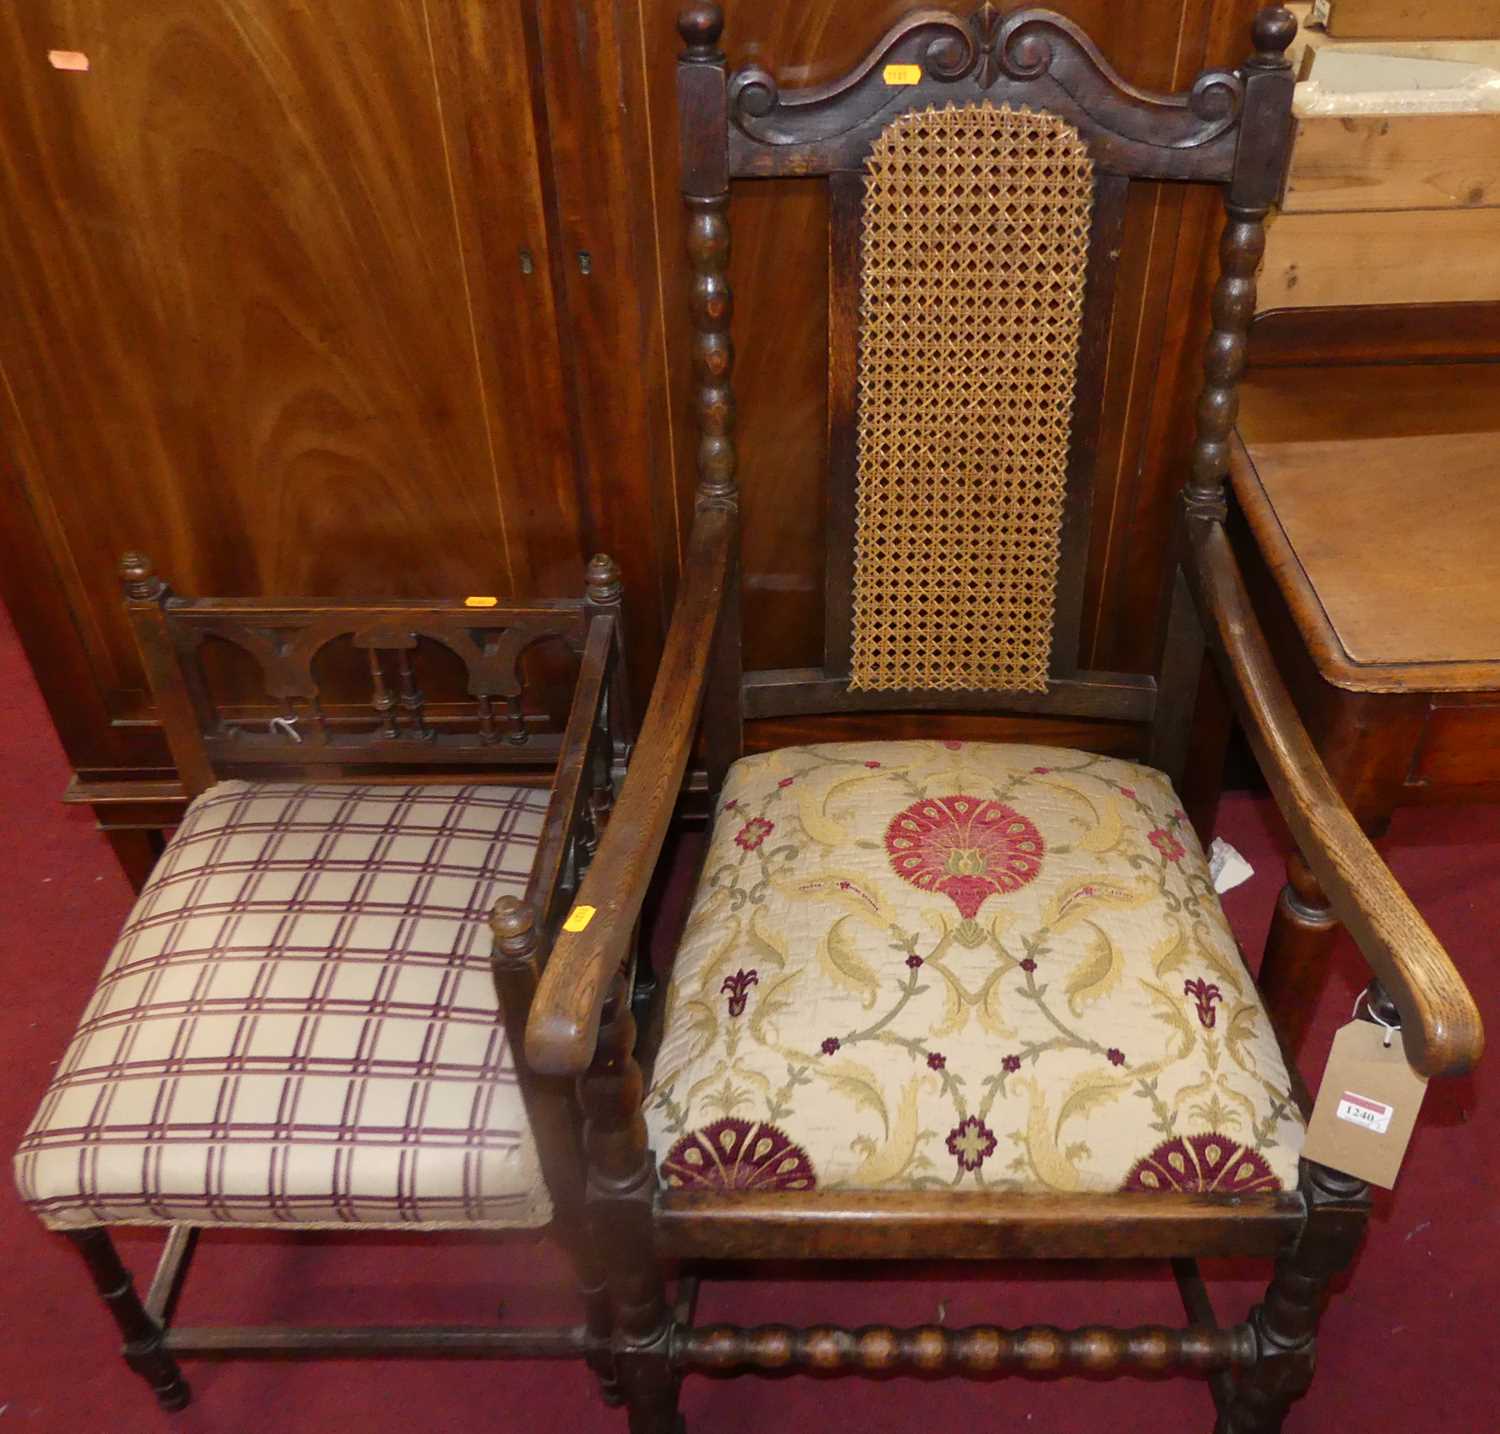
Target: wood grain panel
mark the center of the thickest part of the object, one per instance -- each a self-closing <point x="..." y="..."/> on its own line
<point x="1376" y="333"/>
<point x="780" y="230"/>
<point x="1414" y="19"/>
<point x="1344" y="162"/>
<point x="1418" y="256"/>
<point x="589" y="94"/>
<point x="296" y="298"/>
<point x="1427" y="617"/>
<point x="779" y="272"/>
<point x="1460" y="748"/>
<point x="248" y="321"/>
<point x="1299" y="405"/>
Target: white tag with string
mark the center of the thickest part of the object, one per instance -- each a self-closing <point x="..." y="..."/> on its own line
<point x="1367" y="1104"/>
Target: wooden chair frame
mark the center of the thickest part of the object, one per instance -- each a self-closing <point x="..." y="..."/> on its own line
<point x="1232" y="129"/>
<point x="285" y="637"/>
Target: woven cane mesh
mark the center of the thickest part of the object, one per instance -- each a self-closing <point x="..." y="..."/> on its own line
<point x="976" y="226"/>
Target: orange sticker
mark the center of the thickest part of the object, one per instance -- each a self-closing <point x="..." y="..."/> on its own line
<point x="903" y="74"/>
<point x="579" y="918"/>
<point x="481" y="602"/>
<point x="67" y="60"/>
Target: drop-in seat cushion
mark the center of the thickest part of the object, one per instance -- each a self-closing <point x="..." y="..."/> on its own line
<point x="946" y="965"/>
<point x="298" y="1023"/>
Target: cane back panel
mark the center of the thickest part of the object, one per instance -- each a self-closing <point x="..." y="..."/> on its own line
<point x="977" y="170"/>
<point x="972" y="264"/>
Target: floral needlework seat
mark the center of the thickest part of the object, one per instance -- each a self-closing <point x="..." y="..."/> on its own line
<point x="925" y="965"/>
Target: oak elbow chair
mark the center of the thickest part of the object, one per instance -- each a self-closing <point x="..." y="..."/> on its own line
<point x="942" y="999"/>
<point x="298" y="1027"/>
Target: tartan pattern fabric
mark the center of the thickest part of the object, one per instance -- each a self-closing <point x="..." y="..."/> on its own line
<point x="298" y="1024"/>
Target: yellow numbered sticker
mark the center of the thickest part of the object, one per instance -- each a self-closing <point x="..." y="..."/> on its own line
<point x="481" y="602"/>
<point x="578" y="918"/>
<point x="903" y="74"/>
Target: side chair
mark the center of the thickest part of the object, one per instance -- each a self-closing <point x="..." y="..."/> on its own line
<point x="967" y="1000"/>
<point x="311" y="1016"/>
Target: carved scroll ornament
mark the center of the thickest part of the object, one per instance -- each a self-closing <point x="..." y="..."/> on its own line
<point x="988" y="49"/>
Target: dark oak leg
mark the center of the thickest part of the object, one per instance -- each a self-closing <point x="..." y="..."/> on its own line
<point x="1208" y="754"/>
<point x="144" y="1349"/>
<point x="601" y="803"/>
<point x="645" y="986"/>
<point x="1286" y="1321"/>
<point x="136" y="849"/>
<point x="1366" y="740"/>
<point x="622" y="1183"/>
<point x="1180" y="664"/>
<point x="550" y="1106"/>
<point x="1298" y="946"/>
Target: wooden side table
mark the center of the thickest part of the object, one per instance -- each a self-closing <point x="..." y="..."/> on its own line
<point x="1379" y="582"/>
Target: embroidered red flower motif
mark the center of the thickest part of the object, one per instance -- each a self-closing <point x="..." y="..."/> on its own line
<point x="951" y="745"/>
<point x="736" y="1154"/>
<point x="965" y="847"/>
<point x="1028" y="965"/>
<point x="786" y="781"/>
<point x="971" y="1142"/>
<point x="1128" y="793"/>
<point x="732" y="804"/>
<point x="872" y="764"/>
<point x="1115" y="1056"/>
<point x="1167" y="844"/>
<point x="1011" y="1064"/>
<point x="1198" y="1163"/>
<point x="1204" y="996"/>
<point x="830" y="1045"/>
<point x="936" y="1061"/>
<point x="753" y="833"/>
<point x="1041" y="771"/>
<point x="737" y="988"/>
<point x="914" y="961"/>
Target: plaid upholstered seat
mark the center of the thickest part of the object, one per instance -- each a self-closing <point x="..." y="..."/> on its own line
<point x="298" y="1024"/>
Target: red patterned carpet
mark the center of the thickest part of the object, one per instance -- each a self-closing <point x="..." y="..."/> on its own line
<point x="1407" y="1348"/>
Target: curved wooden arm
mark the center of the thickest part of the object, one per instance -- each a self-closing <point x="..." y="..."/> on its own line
<point x="564" y="1023"/>
<point x="1440" y="1024"/>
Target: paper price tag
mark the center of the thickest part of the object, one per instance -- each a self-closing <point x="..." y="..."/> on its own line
<point x="481" y="601"/>
<point x="1367" y="1105"/>
<point x="902" y="74"/>
<point x="579" y="918"/>
<point x="1361" y="1110"/>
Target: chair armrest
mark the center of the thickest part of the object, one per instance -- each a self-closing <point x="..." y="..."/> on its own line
<point x="576" y="767"/>
<point x="565" y="1014"/>
<point x="1440" y="1024"/>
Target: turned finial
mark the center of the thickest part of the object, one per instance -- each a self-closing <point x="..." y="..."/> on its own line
<point x="139" y="576"/>
<point x="513" y="924"/>
<point x="700" y="27"/>
<point x="1273" y="29"/>
<point x="603" y="583"/>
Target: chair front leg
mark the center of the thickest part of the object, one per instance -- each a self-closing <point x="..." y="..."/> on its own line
<point x="145" y="1349"/>
<point x="516" y="964"/>
<point x="1286" y="1321"/>
<point x="622" y="1183"/>
<point x="1298" y="947"/>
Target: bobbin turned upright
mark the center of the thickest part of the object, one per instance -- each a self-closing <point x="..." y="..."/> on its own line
<point x="966" y="1000"/>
